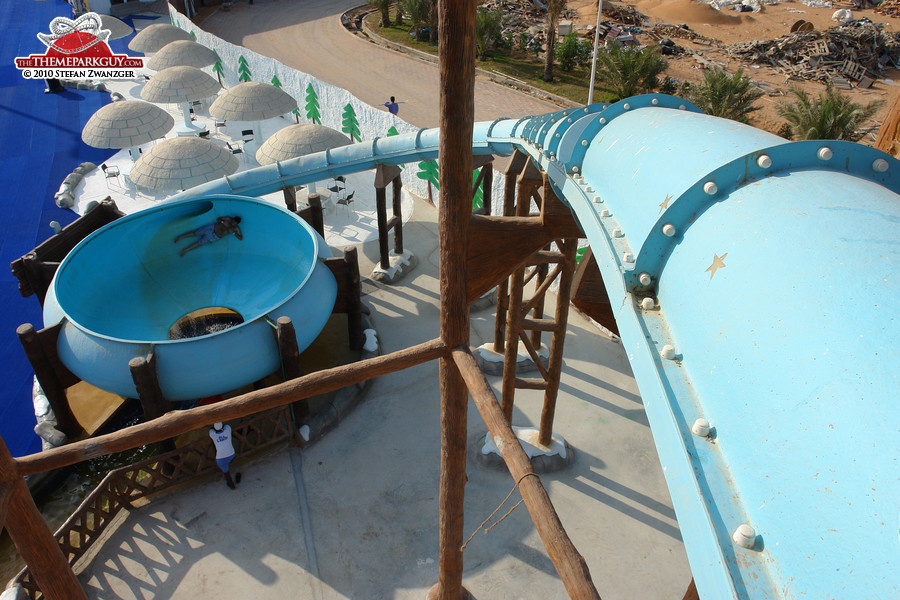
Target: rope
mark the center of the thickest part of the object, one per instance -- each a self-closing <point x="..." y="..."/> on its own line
<point x="496" y="510"/>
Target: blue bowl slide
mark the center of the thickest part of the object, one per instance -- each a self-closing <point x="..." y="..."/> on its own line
<point x="120" y="291"/>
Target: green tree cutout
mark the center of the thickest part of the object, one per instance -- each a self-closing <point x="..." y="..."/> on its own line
<point x="478" y="198"/>
<point x="391" y="132"/>
<point x="217" y="69"/>
<point x="429" y="172"/>
<point x="349" y="123"/>
<point x="243" y="69"/>
<point x="276" y="82"/>
<point x="579" y="254"/>
<point x="312" y="105"/>
<point x="296" y="113"/>
<point x="194" y="35"/>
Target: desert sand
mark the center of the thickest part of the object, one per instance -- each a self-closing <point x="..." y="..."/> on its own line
<point x="730" y="27"/>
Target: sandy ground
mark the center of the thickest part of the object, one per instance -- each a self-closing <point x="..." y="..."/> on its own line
<point x="730" y="27"/>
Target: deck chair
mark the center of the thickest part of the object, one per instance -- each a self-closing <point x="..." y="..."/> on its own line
<point x="247" y="134"/>
<point x="346" y="201"/>
<point x="235" y="149"/>
<point x="110" y="172"/>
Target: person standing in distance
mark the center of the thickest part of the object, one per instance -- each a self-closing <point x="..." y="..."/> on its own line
<point x="221" y="437"/>
<point x="392" y="106"/>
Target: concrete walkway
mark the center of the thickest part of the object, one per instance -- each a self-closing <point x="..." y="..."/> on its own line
<point x="356" y="514"/>
<point x="308" y="36"/>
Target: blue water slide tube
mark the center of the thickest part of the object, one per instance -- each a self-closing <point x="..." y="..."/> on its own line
<point x="121" y="290"/>
<point x="754" y="283"/>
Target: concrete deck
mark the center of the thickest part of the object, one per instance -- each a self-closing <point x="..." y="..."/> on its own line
<point x="356" y="514"/>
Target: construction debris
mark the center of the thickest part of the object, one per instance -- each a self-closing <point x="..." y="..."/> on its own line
<point x="850" y="52"/>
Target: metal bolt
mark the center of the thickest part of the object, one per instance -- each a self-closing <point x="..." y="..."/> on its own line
<point x="617" y="232"/>
<point x="598" y="199"/>
<point x="569" y="120"/>
<point x="744" y="536"/>
<point x="55" y="226"/>
<point x="585" y="109"/>
<point x="588" y="190"/>
<point x="645" y="279"/>
<point x="667" y="352"/>
<point x="575" y="169"/>
<point x="602" y="120"/>
<point x="668" y="230"/>
<point x="710" y="188"/>
<point x="700" y="428"/>
<point x="880" y="165"/>
<point x="557" y="135"/>
<point x="626" y="106"/>
<point x="824" y="153"/>
<point x="655" y="101"/>
<point x="764" y="162"/>
<point x="682" y="107"/>
<point x="647" y="303"/>
<point x="584" y="142"/>
<point x="628" y="257"/>
<point x="605" y="213"/>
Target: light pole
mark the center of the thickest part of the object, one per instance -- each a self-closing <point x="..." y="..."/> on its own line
<point x="594" y="61"/>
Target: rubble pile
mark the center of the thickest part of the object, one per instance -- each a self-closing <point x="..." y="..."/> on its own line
<point x="856" y="52"/>
<point x="890" y="8"/>
<point x="525" y="17"/>
<point x="626" y="15"/>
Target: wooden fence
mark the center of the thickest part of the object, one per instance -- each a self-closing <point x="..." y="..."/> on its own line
<point x="122" y="487"/>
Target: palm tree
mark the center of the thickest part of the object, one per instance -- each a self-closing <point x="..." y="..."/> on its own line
<point x="554" y="9"/>
<point x="488" y="29"/>
<point x="721" y="95"/>
<point x="624" y="72"/>
<point x="831" y="116"/>
<point x="383" y="6"/>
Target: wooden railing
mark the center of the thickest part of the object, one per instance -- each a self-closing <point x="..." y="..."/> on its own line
<point x="122" y="487"/>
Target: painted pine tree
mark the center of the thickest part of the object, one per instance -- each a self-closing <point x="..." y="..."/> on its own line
<point x="579" y="254"/>
<point x="243" y="69"/>
<point x="217" y="69"/>
<point x="349" y="123"/>
<point x="276" y="82"/>
<point x="392" y="131"/>
<point x="296" y="113"/>
<point x="194" y="35"/>
<point x="312" y="105"/>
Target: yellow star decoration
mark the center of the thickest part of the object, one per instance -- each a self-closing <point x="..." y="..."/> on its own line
<point x="665" y="203"/>
<point x="718" y="263"/>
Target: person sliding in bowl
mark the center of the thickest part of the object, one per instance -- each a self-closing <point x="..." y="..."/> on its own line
<point x="212" y="232"/>
<point x="221" y="437"/>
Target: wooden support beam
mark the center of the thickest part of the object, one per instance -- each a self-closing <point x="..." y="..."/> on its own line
<point x="537" y="302"/>
<point x="313" y="214"/>
<point x="178" y="422"/>
<point x="510" y="168"/>
<point x="353" y="298"/>
<point x="539" y="325"/>
<point x="290" y="363"/>
<point x="146" y="382"/>
<point x="529" y="347"/>
<point x="541" y="290"/>
<point x="33" y="539"/>
<point x="554" y="367"/>
<point x="50" y="380"/>
<point x="381" y="210"/>
<point x="530" y="383"/>
<point x="290" y="198"/>
<point x="456" y="61"/>
<point x="569" y="563"/>
<point x="396" y="187"/>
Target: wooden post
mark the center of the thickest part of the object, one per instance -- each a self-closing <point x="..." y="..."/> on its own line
<point x="146" y="382"/>
<point x="290" y="198"/>
<point x="554" y="368"/>
<point x="525" y="183"/>
<point x="290" y="362"/>
<point x="456" y="30"/>
<point x="49" y="380"/>
<point x="488" y="187"/>
<point x="381" y="208"/>
<point x="538" y="313"/>
<point x="317" y="218"/>
<point x="354" y="302"/>
<point x="397" y="185"/>
<point x="33" y="539"/>
<point x="510" y="171"/>
<point x="569" y="563"/>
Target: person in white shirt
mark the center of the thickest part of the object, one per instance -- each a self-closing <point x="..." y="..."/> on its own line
<point x="221" y="437"/>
